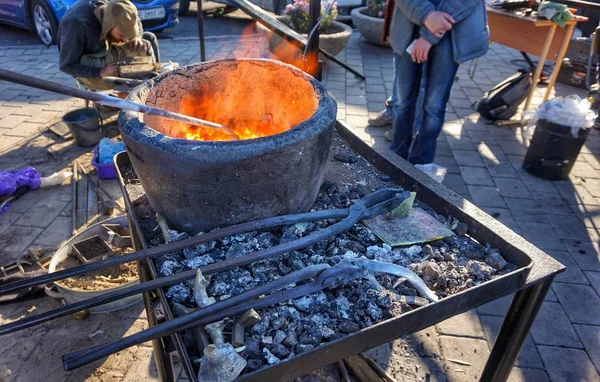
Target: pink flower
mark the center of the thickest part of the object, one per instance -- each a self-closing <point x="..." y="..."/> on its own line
<point x="380" y="14"/>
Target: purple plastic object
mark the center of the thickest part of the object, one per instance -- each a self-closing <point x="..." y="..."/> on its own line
<point x="104" y="170"/>
<point x="11" y="181"/>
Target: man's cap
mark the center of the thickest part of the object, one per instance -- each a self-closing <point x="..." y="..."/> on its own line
<point x="122" y="14"/>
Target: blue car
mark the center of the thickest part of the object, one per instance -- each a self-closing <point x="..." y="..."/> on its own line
<point x="43" y="16"/>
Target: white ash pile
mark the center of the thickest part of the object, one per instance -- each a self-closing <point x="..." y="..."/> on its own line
<point x="447" y="266"/>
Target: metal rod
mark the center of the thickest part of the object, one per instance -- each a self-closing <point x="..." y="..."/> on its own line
<point x="74" y="181"/>
<point x="351" y="218"/>
<point x="164" y="366"/>
<point x="343" y="371"/>
<point x="512" y="336"/>
<point x="379" y="202"/>
<point x="107" y="100"/>
<point x="200" y="18"/>
<point x="311" y="58"/>
<point x="215" y="312"/>
<point x="174" y="246"/>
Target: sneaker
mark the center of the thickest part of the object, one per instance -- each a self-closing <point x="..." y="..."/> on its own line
<point x="384" y="118"/>
<point x="389" y="136"/>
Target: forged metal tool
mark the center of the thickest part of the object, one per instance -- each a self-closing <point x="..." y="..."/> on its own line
<point x="104" y="99"/>
<point x="324" y="276"/>
<point x="371" y="205"/>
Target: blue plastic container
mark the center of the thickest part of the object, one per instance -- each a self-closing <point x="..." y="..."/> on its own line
<point x="104" y="170"/>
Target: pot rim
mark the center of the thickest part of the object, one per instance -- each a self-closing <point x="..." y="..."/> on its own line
<point x="344" y="28"/>
<point x="357" y="12"/>
<point x="131" y="126"/>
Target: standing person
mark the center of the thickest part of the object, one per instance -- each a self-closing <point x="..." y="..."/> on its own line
<point x="445" y="33"/>
<point x="95" y="35"/>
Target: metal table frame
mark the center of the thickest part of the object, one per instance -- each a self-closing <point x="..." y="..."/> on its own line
<point x="519" y="317"/>
<point x="527" y="301"/>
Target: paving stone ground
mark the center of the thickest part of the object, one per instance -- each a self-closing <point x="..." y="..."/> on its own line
<point x="484" y="166"/>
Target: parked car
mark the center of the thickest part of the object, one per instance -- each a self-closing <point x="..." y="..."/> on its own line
<point x="184" y="7"/>
<point x="43" y="16"/>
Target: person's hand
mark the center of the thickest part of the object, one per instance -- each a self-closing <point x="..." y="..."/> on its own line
<point x="137" y="45"/>
<point x="438" y="23"/>
<point x="420" y="51"/>
<point x="109" y="70"/>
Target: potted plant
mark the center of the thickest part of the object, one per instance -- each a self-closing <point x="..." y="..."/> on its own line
<point x="369" y="20"/>
<point x="333" y="35"/>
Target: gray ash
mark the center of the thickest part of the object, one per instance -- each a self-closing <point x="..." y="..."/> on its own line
<point x="447" y="266"/>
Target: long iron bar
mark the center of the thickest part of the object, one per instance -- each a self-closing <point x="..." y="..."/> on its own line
<point x="173" y="247"/>
<point x="104" y="99"/>
<point x="379" y="201"/>
<point x="324" y="276"/>
<point x="351" y="217"/>
<point x="230" y="307"/>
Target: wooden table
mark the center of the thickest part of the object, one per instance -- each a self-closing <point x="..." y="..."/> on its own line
<point x="542" y="38"/>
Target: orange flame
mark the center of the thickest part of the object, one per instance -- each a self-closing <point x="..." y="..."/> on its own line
<point x="289" y="52"/>
<point x="254" y="99"/>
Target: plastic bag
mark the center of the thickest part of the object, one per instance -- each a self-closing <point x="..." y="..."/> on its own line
<point x="107" y="149"/>
<point x="570" y="111"/>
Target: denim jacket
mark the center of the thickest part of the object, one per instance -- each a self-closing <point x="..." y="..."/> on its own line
<point x="470" y="34"/>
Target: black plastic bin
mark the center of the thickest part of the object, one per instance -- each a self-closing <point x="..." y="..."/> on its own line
<point x="553" y="150"/>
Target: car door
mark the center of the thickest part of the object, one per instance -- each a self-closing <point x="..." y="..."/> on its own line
<point x="13" y="12"/>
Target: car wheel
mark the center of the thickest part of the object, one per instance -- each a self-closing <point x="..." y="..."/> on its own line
<point x="44" y="22"/>
<point x="184" y="7"/>
<point x="224" y="11"/>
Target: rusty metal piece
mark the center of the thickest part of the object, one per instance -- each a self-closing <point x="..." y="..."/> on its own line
<point x="200" y="295"/>
<point x="215" y="331"/>
<point x="200" y="336"/>
<point x="343" y="371"/>
<point x="108" y="206"/>
<point x="81" y="315"/>
<point x="378" y="369"/>
<point x="221" y="363"/>
<point x="361" y="369"/>
<point x="246" y="320"/>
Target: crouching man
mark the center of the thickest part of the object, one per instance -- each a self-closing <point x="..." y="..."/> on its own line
<point x="94" y="35"/>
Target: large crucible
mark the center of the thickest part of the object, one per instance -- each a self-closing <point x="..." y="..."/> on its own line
<point x="200" y="178"/>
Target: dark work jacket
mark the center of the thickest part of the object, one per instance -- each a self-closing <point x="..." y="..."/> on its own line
<point x="79" y="34"/>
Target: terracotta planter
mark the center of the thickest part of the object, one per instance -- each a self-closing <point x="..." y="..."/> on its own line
<point x="370" y="27"/>
<point x="333" y="43"/>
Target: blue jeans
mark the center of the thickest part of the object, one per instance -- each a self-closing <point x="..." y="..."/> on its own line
<point x="393" y="100"/>
<point x="439" y="74"/>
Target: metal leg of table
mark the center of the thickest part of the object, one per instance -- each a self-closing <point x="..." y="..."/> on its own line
<point x="200" y="19"/>
<point x="164" y="365"/>
<point x="512" y="336"/>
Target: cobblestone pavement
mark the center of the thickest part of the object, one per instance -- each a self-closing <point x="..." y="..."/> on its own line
<point x="484" y="166"/>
